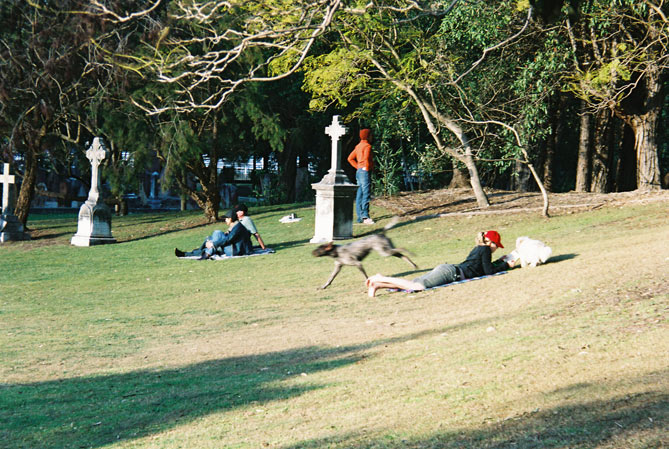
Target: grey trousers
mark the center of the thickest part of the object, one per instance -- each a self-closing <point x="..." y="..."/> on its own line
<point x="440" y="275"/>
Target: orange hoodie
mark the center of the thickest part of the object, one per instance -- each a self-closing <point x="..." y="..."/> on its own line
<point x="361" y="156"/>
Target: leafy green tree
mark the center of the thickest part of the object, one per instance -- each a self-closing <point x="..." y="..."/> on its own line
<point x="429" y="58"/>
<point x="40" y="74"/>
<point x="58" y="90"/>
<point x="624" y="44"/>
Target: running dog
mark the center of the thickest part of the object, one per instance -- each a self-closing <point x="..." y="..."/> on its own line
<point x="530" y="252"/>
<point x="353" y="253"/>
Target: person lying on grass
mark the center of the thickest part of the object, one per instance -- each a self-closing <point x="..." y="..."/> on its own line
<point x="478" y="263"/>
<point x="235" y="242"/>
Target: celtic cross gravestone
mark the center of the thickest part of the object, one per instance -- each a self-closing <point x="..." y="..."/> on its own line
<point x="94" y="224"/>
<point x="334" y="194"/>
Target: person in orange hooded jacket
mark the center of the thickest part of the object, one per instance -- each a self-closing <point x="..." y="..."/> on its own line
<point x="361" y="159"/>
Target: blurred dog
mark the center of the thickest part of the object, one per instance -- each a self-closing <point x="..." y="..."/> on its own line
<point x="353" y="253"/>
<point x="530" y="252"/>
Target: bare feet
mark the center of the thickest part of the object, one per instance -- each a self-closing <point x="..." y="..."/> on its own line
<point x="371" y="284"/>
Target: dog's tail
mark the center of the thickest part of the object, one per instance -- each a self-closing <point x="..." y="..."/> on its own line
<point x="391" y="224"/>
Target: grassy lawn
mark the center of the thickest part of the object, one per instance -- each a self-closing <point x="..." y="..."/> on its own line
<point x="126" y="346"/>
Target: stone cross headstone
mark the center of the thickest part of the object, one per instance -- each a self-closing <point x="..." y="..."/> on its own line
<point x="6" y="179"/>
<point x="336" y="131"/>
<point x="96" y="153"/>
<point x="94" y="225"/>
<point x="10" y="226"/>
<point x="334" y="194"/>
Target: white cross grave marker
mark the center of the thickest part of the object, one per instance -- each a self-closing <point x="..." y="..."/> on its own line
<point x="6" y="180"/>
<point x="96" y="153"/>
<point x="335" y="131"/>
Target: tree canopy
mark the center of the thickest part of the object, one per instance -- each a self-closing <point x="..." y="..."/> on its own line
<point x="565" y="90"/>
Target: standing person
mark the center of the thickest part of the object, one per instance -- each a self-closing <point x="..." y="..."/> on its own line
<point x="242" y="211"/>
<point x="478" y="263"/>
<point x="235" y="242"/>
<point x="361" y="159"/>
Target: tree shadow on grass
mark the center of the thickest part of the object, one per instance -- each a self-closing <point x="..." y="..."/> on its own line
<point x="362" y="232"/>
<point x="286" y="245"/>
<point x="150" y="235"/>
<point x="40" y="235"/>
<point x="96" y="411"/>
<point x="638" y="420"/>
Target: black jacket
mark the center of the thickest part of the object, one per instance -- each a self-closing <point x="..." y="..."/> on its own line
<point x="479" y="263"/>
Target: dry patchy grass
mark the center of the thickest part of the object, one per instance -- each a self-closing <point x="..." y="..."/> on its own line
<point x="250" y="354"/>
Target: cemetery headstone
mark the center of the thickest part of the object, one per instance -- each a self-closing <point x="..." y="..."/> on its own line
<point x="154" y="201"/>
<point x="10" y="226"/>
<point x="334" y="194"/>
<point x="94" y="225"/>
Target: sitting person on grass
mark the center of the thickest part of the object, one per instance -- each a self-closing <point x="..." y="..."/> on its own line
<point x="478" y="263"/>
<point x="235" y="242"/>
<point x="242" y="215"/>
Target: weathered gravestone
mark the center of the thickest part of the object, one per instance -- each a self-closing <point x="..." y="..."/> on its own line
<point x="334" y="194"/>
<point x="10" y="226"/>
<point x="94" y="225"/>
<point x="154" y="201"/>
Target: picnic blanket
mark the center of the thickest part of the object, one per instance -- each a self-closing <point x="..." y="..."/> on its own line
<point x="291" y="218"/>
<point x="256" y="252"/>
<point x="450" y="283"/>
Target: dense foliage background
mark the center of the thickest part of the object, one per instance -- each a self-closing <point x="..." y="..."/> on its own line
<point x="457" y="93"/>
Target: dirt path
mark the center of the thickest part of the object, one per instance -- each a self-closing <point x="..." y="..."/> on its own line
<point x="461" y="201"/>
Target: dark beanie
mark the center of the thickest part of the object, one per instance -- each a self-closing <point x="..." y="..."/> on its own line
<point x="365" y="133"/>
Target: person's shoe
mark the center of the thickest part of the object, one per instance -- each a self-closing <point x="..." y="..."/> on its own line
<point x="178" y="252"/>
<point x="368" y="221"/>
<point x="204" y="256"/>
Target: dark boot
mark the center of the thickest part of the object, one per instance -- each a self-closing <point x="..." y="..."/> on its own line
<point x="178" y="252"/>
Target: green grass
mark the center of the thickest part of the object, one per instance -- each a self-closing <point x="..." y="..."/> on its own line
<point x="126" y="346"/>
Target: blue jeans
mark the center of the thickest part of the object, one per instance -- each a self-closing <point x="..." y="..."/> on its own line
<point x="364" y="194"/>
<point x="215" y="238"/>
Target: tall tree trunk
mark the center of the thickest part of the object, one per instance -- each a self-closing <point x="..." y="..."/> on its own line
<point x="34" y="147"/>
<point x="645" y="145"/>
<point x="475" y="181"/>
<point x="549" y="157"/>
<point x="429" y="112"/>
<point x="644" y="118"/>
<point x="626" y="168"/>
<point x="552" y="142"/>
<point x="522" y="177"/>
<point x="208" y="200"/>
<point x="601" y="152"/>
<point x="459" y="179"/>
<point x="22" y="209"/>
<point x="287" y="170"/>
<point x="303" y="190"/>
<point x="583" y="163"/>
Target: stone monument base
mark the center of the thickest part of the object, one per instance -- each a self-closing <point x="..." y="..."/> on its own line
<point x="94" y="226"/>
<point x="334" y="211"/>
<point x="11" y="229"/>
<point x="82" y="240"/>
